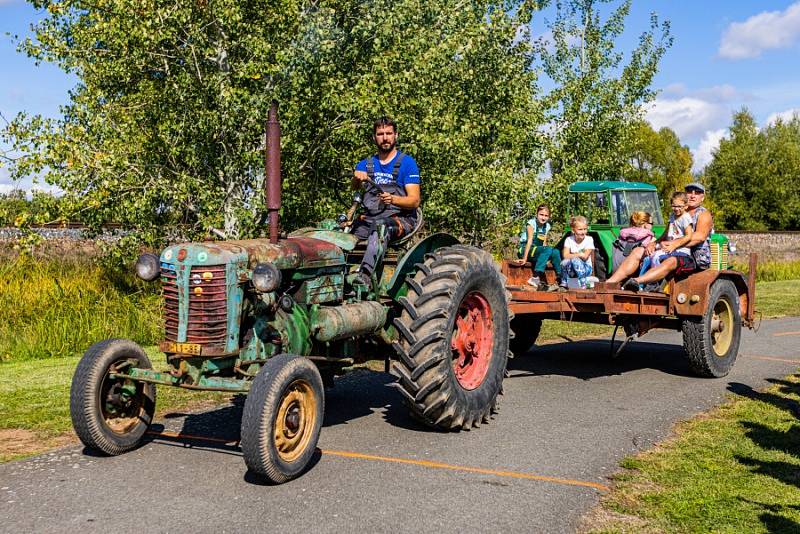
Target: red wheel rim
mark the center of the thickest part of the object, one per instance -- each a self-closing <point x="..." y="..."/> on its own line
<point x="472" y="341"/>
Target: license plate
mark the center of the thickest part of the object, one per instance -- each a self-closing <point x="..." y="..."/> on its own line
<point x="180" y="348"/>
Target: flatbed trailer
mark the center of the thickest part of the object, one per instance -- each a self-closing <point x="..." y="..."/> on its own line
<point x="709" y="307"/>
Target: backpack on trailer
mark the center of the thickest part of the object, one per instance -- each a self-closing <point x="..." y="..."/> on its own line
<point x="622" y="249"/>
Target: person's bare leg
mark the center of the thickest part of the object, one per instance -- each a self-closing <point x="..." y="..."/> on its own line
<point x="629" y="266"/>
<point x="658" y="273"/>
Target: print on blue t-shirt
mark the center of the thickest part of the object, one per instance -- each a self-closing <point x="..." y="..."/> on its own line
<point x="407" y="174"/>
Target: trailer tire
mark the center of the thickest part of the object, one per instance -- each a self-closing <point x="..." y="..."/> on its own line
<point x="454" y="338"/>
<point x="712" y="341"/>
<point x="526" y="330"/>
<point x="105" y="415"/>
<point x="282" y="418"/>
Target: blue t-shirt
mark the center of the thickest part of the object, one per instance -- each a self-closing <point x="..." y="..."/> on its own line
<point x="407" y="174"/>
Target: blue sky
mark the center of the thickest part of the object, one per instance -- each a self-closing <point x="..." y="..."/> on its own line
<point x="726" y="54"/>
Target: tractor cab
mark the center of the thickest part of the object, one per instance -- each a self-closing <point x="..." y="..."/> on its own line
<point x="609" y="204"/>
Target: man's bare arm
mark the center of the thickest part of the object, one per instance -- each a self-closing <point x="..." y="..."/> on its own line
<point x="359" y="177"/>
<point x="704" y="224"/>
<point x="410" y="201"/>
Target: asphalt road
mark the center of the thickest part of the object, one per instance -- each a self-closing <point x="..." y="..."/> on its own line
<point x="567" y="417"/>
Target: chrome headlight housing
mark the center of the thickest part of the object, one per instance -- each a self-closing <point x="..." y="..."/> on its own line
<point x="266" y="277"/>
<point x="731" y="247"/>
<point x="148" y="267"/>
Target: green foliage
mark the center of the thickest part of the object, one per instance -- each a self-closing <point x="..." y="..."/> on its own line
<point x="596" y="102"/>
<point x="19" y="211"/>
<point x="166" y="124"/>
<point x="658" y="158"/>
<point x="54" y="308"/>
<point x="753" y="176"/>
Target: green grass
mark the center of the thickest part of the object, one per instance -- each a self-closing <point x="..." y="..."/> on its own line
<point x="735" y="469"/>
<point x="778" y="299"/>
<point x="58" y="308"/>
<point x="34" y="396"/>
<point x="771" y="270"/>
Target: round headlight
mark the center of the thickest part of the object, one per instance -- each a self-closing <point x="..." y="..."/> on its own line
<point x="266" y="277"/>
<point x="147" y="267"/>
<point x="731" y="247"/>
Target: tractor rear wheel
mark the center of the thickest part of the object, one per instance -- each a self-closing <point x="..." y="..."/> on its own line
<point x="712" y="341"/>
<point x="526" y="330"/>
<point x="282" y="418"/>
<point x="111" y="413"/>
<point x="454" y="338"/>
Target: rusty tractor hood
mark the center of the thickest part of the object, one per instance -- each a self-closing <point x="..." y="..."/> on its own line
<point x="290" y="253"/>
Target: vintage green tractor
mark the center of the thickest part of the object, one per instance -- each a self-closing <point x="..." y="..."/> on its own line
<point x="277" y="318"/>
<point x="608" y="206"/>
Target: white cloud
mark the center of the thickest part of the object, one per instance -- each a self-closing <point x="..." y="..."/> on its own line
<point x="686" y="116"/>
<point x="702" y="155"/>
<point x="785" y="116"/>
<point x="765" y="31"/>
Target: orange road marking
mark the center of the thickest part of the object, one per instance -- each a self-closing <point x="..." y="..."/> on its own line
<point x="423" y="463"/>
<point x="437" y="465"/>
<point x="787" y="334"/>
<point x="772" y="359"/>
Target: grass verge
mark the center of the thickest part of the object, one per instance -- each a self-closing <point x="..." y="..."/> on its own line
<point x="734" y="469"/>
<point x="53" y="309"/>
<point x="34" y="403"/>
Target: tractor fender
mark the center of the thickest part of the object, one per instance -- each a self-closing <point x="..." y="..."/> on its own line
<point x="695" y="290"/>
<point x="396" y="286"/>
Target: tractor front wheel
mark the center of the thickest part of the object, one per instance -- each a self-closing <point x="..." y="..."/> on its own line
<point x="282" y="418"/>
<point x="111" y="413"/>
<point x="712" y="341"/>
<point x="454" y="336"/>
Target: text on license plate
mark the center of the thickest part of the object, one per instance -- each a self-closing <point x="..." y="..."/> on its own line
<point x="181" y="348"/>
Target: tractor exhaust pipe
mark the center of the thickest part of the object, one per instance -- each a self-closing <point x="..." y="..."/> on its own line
<point x="272" y="167"/>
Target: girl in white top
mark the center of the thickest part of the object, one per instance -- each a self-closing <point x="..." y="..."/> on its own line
<point x="577" y="252"/>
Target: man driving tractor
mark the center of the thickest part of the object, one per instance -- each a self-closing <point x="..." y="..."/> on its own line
<point x="391" y="196"/>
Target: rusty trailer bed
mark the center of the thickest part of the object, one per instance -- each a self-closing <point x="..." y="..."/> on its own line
<point x="606" y="304"/>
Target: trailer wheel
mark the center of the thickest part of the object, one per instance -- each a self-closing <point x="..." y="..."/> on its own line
<point x="712" y="341"/>
<point x="526" y="329"/>
<point x="110" y="414"/>
<point x="282" y="418"/>
<point x="454" y="338"/>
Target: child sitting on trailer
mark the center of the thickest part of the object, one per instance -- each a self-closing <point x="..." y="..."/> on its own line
<point x="638" y="234"/>
<point x="578" y="249"/>
<point x="533" y="247"/>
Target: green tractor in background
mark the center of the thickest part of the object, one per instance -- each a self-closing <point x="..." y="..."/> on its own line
<point x="276" y="319"/>
<point x="608" y="205"/>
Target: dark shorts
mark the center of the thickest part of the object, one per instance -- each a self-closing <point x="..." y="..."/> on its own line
<point x="686" y="264"/>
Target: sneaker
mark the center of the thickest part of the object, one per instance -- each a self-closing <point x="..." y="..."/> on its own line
<point x="554" y="288"/>
<point x="534" y="281"/>
<point x="592" y="279"/>
<point x="631" y="285"/>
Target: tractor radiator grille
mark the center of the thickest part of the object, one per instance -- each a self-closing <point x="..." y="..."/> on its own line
<point x="208" y="306"/>
<point x="207" y="302"/>
<point x="719" y="256"/>
<point x="169" y="292"/>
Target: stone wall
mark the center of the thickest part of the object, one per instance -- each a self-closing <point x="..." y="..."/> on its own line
<point x="768" y="245"/>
